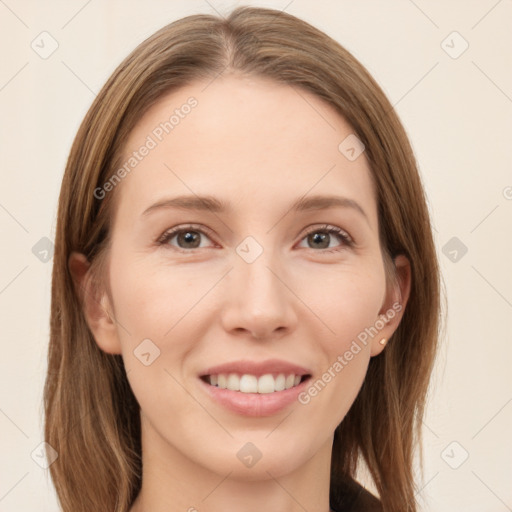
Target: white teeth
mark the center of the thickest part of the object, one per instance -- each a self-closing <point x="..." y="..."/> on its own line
<point x="266" y="384"/>
<point x="280" y="382"/>
<point x="222" y="381"/>
<point x="233" y="382"/>
<point x="246" y="383"/>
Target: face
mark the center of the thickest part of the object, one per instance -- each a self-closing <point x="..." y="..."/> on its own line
<point x="251" y="290"/>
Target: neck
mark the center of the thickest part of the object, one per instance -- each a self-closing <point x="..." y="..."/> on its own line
<point x="173" y="482"/>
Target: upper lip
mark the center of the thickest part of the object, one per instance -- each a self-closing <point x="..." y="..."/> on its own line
<point x="256" y="368"/>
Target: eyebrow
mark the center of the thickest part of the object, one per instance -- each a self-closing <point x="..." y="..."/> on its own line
<point x="200" y="203"/>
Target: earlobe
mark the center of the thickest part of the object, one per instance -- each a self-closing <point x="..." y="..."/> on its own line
<point x="96" y="305"/>
<point x="394" y="305"/>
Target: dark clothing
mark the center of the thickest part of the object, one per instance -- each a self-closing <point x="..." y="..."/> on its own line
<point x="352" y="497"/>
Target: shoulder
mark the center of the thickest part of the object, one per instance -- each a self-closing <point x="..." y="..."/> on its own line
<point x="350" y="496"/>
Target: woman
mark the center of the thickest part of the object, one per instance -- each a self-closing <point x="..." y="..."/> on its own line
<point x="245" y="298"/>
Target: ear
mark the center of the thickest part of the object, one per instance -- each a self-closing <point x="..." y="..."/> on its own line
<point x="96" y="304"/>
<point x="394" y="304"/>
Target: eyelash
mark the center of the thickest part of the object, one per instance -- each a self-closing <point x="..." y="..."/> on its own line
<point x="326" y="228"/>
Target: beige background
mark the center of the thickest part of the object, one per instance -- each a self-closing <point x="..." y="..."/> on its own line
<point x="458" y="114"/>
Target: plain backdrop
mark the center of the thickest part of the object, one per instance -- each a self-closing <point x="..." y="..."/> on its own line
<point x="446" y="67"/>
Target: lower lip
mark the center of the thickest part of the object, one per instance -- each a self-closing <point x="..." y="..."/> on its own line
<point x="255" y="404"/>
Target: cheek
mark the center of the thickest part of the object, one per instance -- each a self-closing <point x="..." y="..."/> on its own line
<point x="169" y="305"/>
<point x="150" y="301"/>
<point x="348" y="304"/>
<point x="348" y="299"/>
<point x="151" y="304"/>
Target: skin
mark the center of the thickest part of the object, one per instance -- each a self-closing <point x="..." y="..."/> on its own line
<point x="260" y="146"/>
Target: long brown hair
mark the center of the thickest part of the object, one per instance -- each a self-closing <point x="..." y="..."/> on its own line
<point x="91" y="415"/>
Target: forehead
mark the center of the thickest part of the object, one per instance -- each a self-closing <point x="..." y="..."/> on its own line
<point x="250" y="141"/>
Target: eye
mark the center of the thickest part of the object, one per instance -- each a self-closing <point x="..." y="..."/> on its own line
<point x="187" y="237"/>
<point x="321" y="236"/>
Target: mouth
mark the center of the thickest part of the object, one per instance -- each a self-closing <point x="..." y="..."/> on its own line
<point x="248" y="383"/>
<point x="251" y="388"/>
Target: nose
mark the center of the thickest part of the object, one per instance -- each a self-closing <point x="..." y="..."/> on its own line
<point x="260" y="301"/>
